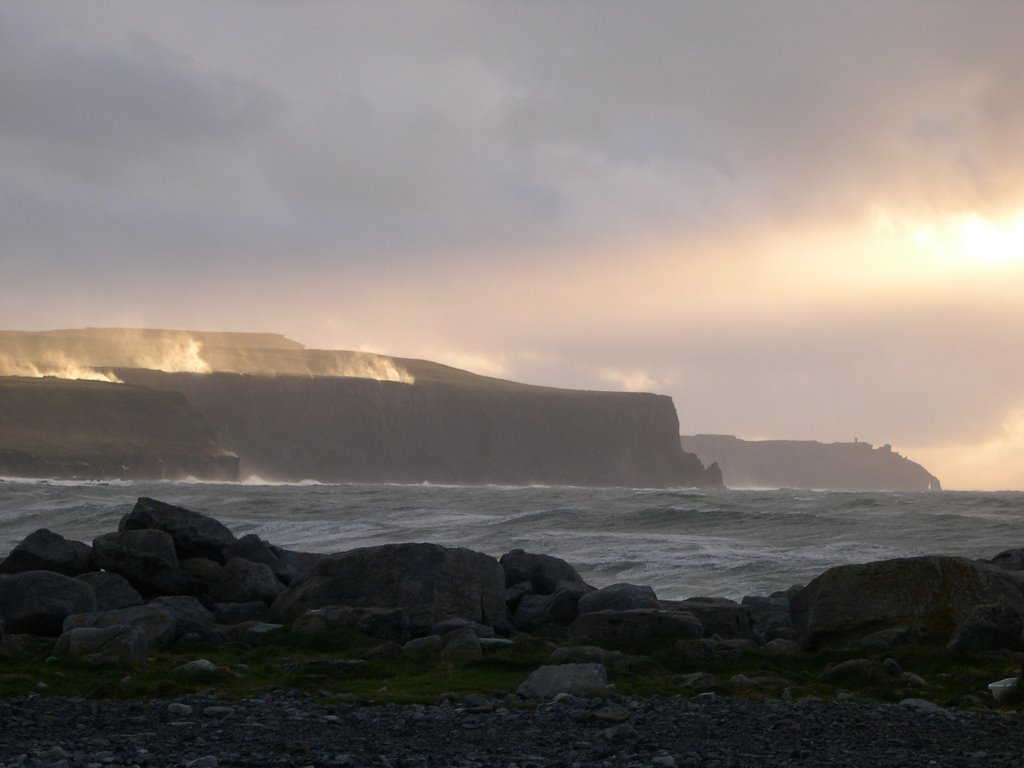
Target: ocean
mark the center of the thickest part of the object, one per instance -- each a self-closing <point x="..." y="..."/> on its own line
<point x="682" y="542"/>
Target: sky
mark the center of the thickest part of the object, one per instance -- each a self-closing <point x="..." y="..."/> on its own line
<point x="801" y="220"/>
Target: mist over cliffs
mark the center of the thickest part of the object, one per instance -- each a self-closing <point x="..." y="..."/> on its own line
<point x="263" y="404"/>
<point x="855" y="466"/>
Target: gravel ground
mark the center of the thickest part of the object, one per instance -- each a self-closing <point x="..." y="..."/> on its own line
<point x="291" y="729"/>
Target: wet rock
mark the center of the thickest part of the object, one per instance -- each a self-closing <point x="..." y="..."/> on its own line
<point x="38" y="602"/>
<point x="544" y="572"/>
<point x="44" y="550"/>
<point x="243" y="581"/>
<point x="618" y="597"/>
<point x="582" y="680"/>
<point x="430" y="582"/>
<point x="193" y="534"/>
<point x="112" y="590"/>
<point x="916" y="598"/>
<point x="118" y="642"/>
<point x="148" y="560"/>
<point x="640" y="630"/>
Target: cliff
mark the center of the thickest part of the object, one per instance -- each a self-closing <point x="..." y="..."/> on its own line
<point x="290" y="413"/>
<point x="91" y="430"/>
<point x="809" y="464"/>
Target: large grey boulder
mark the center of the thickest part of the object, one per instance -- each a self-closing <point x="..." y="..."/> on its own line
<point x="118" y="642"/>
<point x="559" y="607"/>
<point x="544" y="572"/>
<point x="148" y="560"/>
<point x="243" y="581"/>
<point x="721" y="617"/>
<point x="584" y="680"/>
<point x="209" y="572"/>
<point x="989" y="627"/>
<point x="618" y="597"/>
<point x="914" y="599"/>
<point x="431" y="582"/>
<point x="157" y="622"/>
<point x="191" y="617"/>
<point x="640" y="630"/>
<point x="383" y="623"/>
<point x="37" y="602"/>
<point x="113" y="590"/>
<point x="193" y="534"/>
<point x="44" y="550"/>
<point x="769" y="618"/>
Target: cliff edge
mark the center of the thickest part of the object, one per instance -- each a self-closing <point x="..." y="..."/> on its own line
<point x="855" y="466"/>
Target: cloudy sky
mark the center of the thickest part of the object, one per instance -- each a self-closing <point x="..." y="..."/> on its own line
<point x="800" y="219"/>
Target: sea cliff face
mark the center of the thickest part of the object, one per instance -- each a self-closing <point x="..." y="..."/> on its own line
<point x="855" y="466"/>
<point x="288" y="413"/>
<point x="349" y="429"/>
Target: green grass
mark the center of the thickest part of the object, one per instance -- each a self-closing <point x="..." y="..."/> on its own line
<point x="287" y="661"/>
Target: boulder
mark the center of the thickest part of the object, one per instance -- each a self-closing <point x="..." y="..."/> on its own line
<point x="193" y="534"/>
<point x="236" y="613"/>
<point x="616" y="661"/>
<point x="582" y="680"/>
<point x="769" y="618"/>
<point x="480" y="630"/>
<point x="1010" y="560"/>
<point x="37" y="602"/>
<point x="640" y="630"/>
<point x="44" y="550"/>
<point x="914" y="599"/>
<point x="118" y="642"/>
<point x="544" y="572"/>
<point x="191" y="617"/>
<point x="721" y="617"/>
<point x="988" y="627"/>
<point x="560" y="607"/>
<point x="461" y="645"/>
<point x="618" y="597"/>
<point x="148" y="560"/>
<point x="243" y="581"/>
<point x="209" y="572"/>
<point x="157" y="623"/>
<point x="253" y="548"/>
<point x="431" y="582"/>
<point x="295" y="563"/>
<point x="112" y="590"/>
<point x="384" y="623"/>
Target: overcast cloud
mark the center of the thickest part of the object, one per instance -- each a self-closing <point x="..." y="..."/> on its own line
<point x="757" y="208"/>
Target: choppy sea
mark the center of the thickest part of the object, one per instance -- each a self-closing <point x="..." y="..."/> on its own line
<point x="682" y="542"/>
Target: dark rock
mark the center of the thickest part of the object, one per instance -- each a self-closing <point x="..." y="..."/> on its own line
<point x="156" y="621"/>
<point x="638" y="631"/>
<point x="721" y="617"/>
<point x="194" y="534"/>
<point x="450" y="625"/>
<point x="118" y="642"/>
<point x="988" y="627"/>
<point x="919" y="598"/>
<point x="544" y="572"/>
<point x="113" y="590"/>
<point x="615" y="661"/>
<point x="44" y="550"/>
<point x="383" y="623"/>
<point x="432" y="583"/>
<point x="618" y="597"/>
<point x="253" y="548"/>
<point x="1010" y="560"/>
<point x="191" y="617"/>
<point x="37" y="602"/>
<point x="148" y="560"/>
<point x="769" y="618"/>
<point x="209" y="572"/>
<point x="293" y="563"/>
<point x="236" y="613"/>
<point x="582" y="680"/>
<point x="243" y="580"/>
<point x="461" y="644"/>
<point x="855" y="673"/>
<point x="558" y="608"/>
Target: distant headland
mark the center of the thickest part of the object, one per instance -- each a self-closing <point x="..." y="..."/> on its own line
<point x="856" y="466"/>
<point x="98" y="403"/>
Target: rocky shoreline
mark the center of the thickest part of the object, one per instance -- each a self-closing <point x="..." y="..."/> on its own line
<point x="172" y="579"/>
<point x="292" y="729"/>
